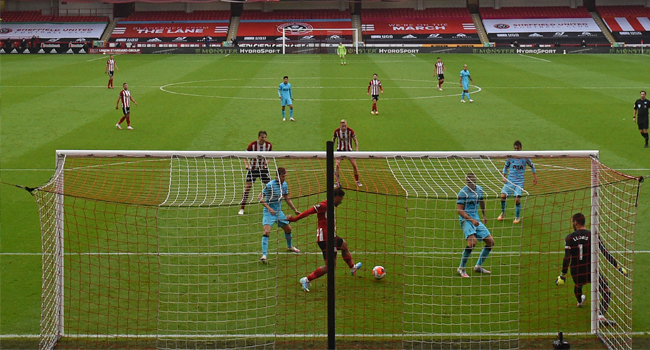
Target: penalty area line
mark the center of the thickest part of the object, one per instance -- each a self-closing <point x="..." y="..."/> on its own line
<point x="535" y="58"/>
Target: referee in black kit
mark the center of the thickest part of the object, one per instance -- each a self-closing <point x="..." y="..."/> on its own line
<point x="641" y="116"/>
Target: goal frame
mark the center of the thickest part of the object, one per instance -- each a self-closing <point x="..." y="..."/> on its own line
<point x="355" y="37"/>
<point x="60" y="214"/>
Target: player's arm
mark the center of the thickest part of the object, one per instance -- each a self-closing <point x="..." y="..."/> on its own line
<point x="106" y="72"/>
<point x="291" y="93"/>
<point x="117" y="104"/>
<point x="635" y="111"/>
<point x="246" y="159"/>
<point x="381" y="88"/>
<point x="481" y="203"/>
<point x="280" y="91"/>
<point x="263" y="201"/>
<point x="116" y="68"/>
<point x="505" y="171"/>
<point x="304" y="214"/>
<point x="565" y="264"/>
<point x="368" y="93"/>
<point x="470" y="79"/>
<point x="460" y="208"/>
<point x="461" y="81"/>
<point x="533" y="170"/>
<point x="356" y="143"/>
<point x="132" y="100"/>
<point x="611" y="258"/>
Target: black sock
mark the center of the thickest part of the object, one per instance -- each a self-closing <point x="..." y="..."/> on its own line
<point x="645" y="136"/>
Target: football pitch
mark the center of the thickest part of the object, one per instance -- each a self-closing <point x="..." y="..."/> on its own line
<point x="220" y="102"/>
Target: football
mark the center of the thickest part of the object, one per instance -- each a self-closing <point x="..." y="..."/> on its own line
<point x="379" y="272"/>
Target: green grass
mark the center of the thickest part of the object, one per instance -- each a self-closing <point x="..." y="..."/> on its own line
<point x="219" y="103"/>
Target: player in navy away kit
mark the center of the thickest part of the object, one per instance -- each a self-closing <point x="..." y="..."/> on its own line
<point x="577" y="255"/>
<point x="641" y="116"/>
<point x="321" y="238"/>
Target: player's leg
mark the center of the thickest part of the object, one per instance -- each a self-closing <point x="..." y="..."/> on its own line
<point x="577" y="291"/>
<point x="265" y="239"/>
<point x="504" y="196"/>
<point x="342" y="245"/>
<point x="128" y="121"/>
<point x="644" y="133"/>
<point x="483" y="234"/>
<point x="291" y="113"/>
<point x="466" y="90"/>
<point x="440" y="82"/>
<point x="283" y="113"/>
<point x="375" y="104"/>
<point x="320" y="271"/>
<point x="517" y="208"/>
<point x="284" y="224"/>
<point x="124" y="112"/>
<point x="605" y="294"/>
<point x="247" y="189"/>
<point x="356" y="171"/>
<point x="469" y="230"/>
<point x="337" y="172"/>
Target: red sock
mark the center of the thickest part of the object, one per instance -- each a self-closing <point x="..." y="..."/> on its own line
<point x="374" y="106"/>
<point x="356" y="177"/>
<point x="109" y="83"/>
<point x="348" y="260"/>
<point x="128" y="121"/>
<point x="314" y="275"/>
<point x="121" y="120"/>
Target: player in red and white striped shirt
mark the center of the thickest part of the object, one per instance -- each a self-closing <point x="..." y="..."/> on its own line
<point x="373" y="88"/>
<point x="125" y="97"/>
<point x="110" y="69"/>
<point x="257" y="168"/>
<point x="440" y="68"/>
<point x="344" y="137"/>
<point x="320" y="210"/>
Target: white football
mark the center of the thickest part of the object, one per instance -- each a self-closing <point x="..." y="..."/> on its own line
<point x="379" y="272"/>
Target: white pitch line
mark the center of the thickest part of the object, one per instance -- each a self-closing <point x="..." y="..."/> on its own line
<point x="286" y="253"/>
<point x="99" y="58"/>
<point x="541" y="59"/>
<point x="413" y="55"/>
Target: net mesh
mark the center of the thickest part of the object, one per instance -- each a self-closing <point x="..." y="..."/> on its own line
<point x="150" y="252"/>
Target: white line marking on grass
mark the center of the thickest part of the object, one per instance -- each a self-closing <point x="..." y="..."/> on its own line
<point x="301" y="335"/>
<point x="99" y="58"/>
<point x="454" y="252"/>
<point x="541" y="59"/>
<point x="413" y="55"/>
<point x="226" y="55"/>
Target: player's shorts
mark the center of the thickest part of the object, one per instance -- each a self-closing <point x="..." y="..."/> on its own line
<point x="375" y="97"/>
<point x="279" y="217"/>
<point x="642" y="122"/>
<point x="110" y="73"/>
<point x="479" y="231"/>
<point x="465" y="86"/>
<point x="286" y="101"/>
<point x="323" y="247"/>
<point x="126" y="110"/>
<point x="342" y="55"/>
<point x="510" y="189"/>
<point x="254" y="174"/>
<point x="441" y="76"/>
<point x="581" y="275"/>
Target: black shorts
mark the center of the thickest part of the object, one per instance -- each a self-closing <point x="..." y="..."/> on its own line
<point x="375" y="97"/>
<point x="323" y="246"/>
<point x="253" y="174"/>
<point x="110" y="73"/>
<point x="441" y="77"/>
<point x="642" y="122"/>
<point x="126" y="110"/>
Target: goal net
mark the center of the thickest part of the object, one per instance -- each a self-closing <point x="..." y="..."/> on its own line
<point x="147" y="250"/>
<point x="300" y="39"/>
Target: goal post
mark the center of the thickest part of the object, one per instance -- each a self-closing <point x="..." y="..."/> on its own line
<point x="157" y="256"/>
<point x="330" y="42"/>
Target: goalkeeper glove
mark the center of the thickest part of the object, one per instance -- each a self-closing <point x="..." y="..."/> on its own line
<point x="623" y="271"/>
<point x="560" y="280"/>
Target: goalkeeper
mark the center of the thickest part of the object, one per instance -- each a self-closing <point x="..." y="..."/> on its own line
<point x="577" y="255"/>
<point x="341" y="51"/>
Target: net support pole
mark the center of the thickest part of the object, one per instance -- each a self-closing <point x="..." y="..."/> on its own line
<point x="331" y="243"/>
<point x="59" y="244"/>
<point x="284" y="37"/>
<point x="595" y="238"/>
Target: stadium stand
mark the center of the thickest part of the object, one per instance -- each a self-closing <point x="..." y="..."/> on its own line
<point x="430" y="26"/>
<point x="257" y="27"/>
<point x="629" y="24"/>
<point x="543" y="26"/>
<point x="36" y="16"/>
<point x="173" y="28"/>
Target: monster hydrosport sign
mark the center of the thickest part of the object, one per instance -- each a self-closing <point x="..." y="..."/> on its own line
<point x="540" y="25"/>
<point x="51" y="30"/>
